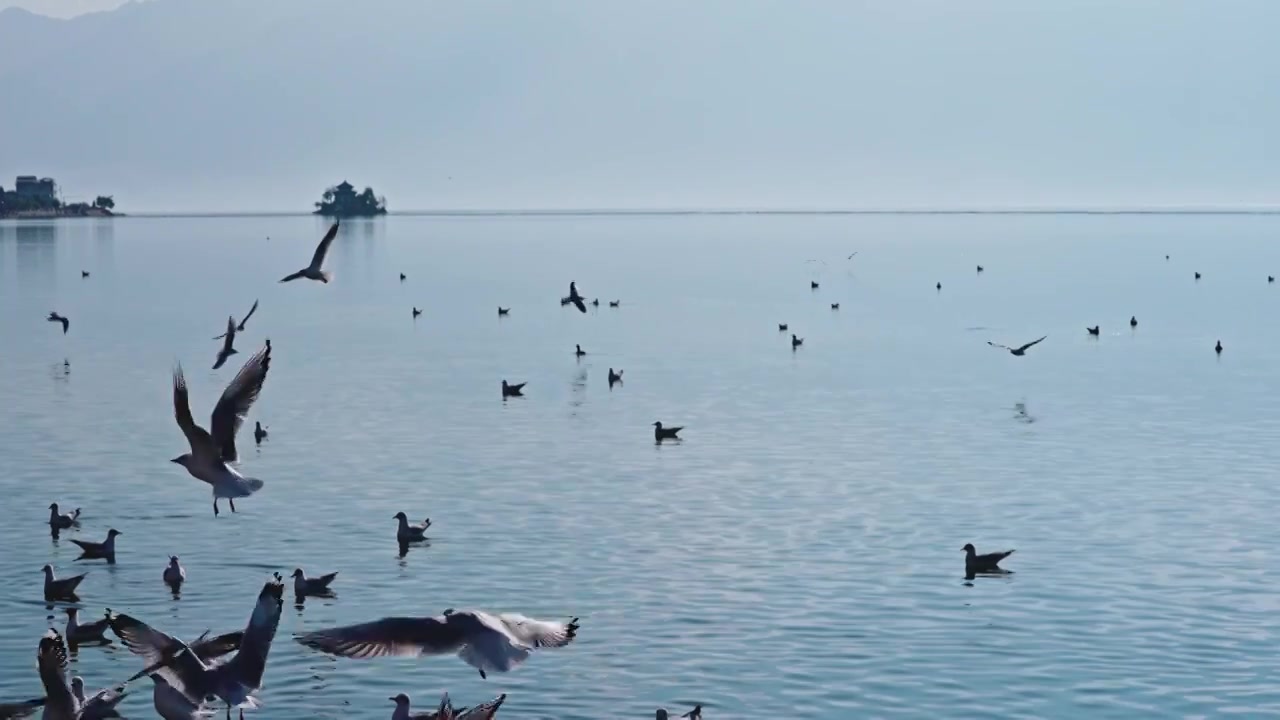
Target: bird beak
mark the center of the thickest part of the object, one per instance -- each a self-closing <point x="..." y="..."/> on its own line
<point x="176" y="460"/>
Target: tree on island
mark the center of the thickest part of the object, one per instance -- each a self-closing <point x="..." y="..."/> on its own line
<point x="343" y="201"/>
<point x="105" y="202"/>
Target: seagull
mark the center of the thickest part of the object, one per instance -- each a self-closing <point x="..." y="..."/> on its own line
<point x="813" y="285"/>
<point x="55" y="317"/>
<point x="14" y="711"/>
<point x="578" y="351"/>
<point x="94" y="632"/>
<point x="174" y="574"/>
<point x="835" y="306"/>
<point x="1216" y="348"/>
<point x="402" y="277"/>
<point x="1095" y="330"/>
<point x="1133" y="321"/>
<point x="228" y="338"/>
<point x="105" y="550"/>
<point x="84" y="273"/>
<point x="851" y="255"/>
<point x="313" y="271"/>
<point x="796" y="341"/>
<point x="445" y="711"/>
<point x="211" y="451"/>
<point x="101" y="704"/>
<point x="235" y="681"/>
<point x="1018" y="351"/>
<point x="939" y="286"/>
<point x="694" y="714"/>
<point x="595" y="303"/>
<point x="576" y="299"/>
<point x="503" y="311"/>
<point x="662" y="433"/>
<point x="1271" y="278"/>
<point x="416" y="312"/>
<point x="51" y="660"/>
<point x="303" y="585"/>
<point x="154" y="646"/>
<point x="782" y="327"/>
<point x="615" y="303"/>
<point x="509" y="390"/>
<point x="60" y="589"/>
<point x="482" y="640"/>
<point x="980" y="268"/>
<point x="989" y="564"/>
<point x="1197" y="276"/>
<point x="410" y="533"/>
<point x="62" y="522"/>
<point x="240" y="325"/>
<point x="259" y="432"/>
<point x="614" y="377"/>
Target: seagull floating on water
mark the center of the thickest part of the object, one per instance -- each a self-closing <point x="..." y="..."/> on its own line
<point x="212" y="451"/>
<point x="235" y="681"/>
<point x="62" y="522"/>
<point x="445" y="711"/>
<point x="980" y="268"/>
<point x="665" y="433"/>
<point x="84" y="273"/>
<point x="615" y="303"/>
<point x="174" y="573"/>
<point x="813" y="285"/>
<point x="796" y="341"/>
<point x="60" y="588"/>
<point x="240" y="325"/>
<point x="989" y="564"/>
<point x="1133" y="321"/>
<point x="1018" y="351"/>
<point x="1218" y="348"/>
<point x="503" y="311"/>
<point x="228" y="338"/>
<point x="509" y="390"/>
<point x="313" y="271"/>
<point x="595" y="302"/>
<point x="694" y="714"/>
<point x="259" y="432"/>
<point x="416" y="312"/>
<point x="1095" y="330"/>
<point x="55" y="317"/>
<point x="94" y="632"/>
<point x="105" y="550"/>
<point x="782" y="327"/>
<point x="578" y="351"/>
<point x="835" y="306"/>
<point x="402" y="277"/>
<point x="1197" y="276"/>
<point x="487" y="642"/>
<point x="303" y="585"/>
<point x="411" y="533"/>
<point x="939" y="286"/>
<point x="614" y="377"/>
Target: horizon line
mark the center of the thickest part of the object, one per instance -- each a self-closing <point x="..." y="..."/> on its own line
<point x="551" y="212"/>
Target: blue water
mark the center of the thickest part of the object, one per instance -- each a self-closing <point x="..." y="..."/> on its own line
<point x="797" y="555"/>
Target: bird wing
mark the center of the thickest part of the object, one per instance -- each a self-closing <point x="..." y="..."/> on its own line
<point x="230" y="336"/>
<point x="248" y="665"/>
<point x="85" y="545"/>
<point x="171" y="703"/>
<point x="1003" y="347"/>
<point x="322" y="249"/>
<point x="483" y="711"/>
<point x="577" y="302"/>
<point x="326" y="579"/>
<point x="51" y="659"/>
<point x="539" y="633"/>
<point x="215" y="647"/>
<point x="141" y="639"/>
<point x="200" y="441"/>
<point x="994" y="557"/>
<point x="294" y="276"/>
<point x="389" y="637"/>
<point x="13" y="711"/>
<point x="245" y="319"/>
<point x="237" y="398"/>
<point x="1033" y="342"/>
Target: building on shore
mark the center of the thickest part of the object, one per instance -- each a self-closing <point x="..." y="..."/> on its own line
<point x="36" y="189"/>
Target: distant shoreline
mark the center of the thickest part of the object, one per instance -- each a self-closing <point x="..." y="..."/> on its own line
<point x="586" y="212"/>
<point x="59" y="214"/>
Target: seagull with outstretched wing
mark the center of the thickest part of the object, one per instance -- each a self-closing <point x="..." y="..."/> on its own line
<point x="245" y="319"/>
<point x="313" y="271"/>
<point x="1018" y="351"/>
<point x="228" y="338"/>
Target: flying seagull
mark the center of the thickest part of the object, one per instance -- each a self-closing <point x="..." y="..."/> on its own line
<point x="851" y="255"/>
<point x="304" y="586"/>
<point x="665" y="433"/>
<point x="509" y="390"/>
<point x="1018" y="351"/>
<point x="55" y="317"/>
<point x="60" y="588"/>
<point x="235" y="681"/>
<point x="228" y="338"/>
<point x="575" y="298"/>
<point x="212" y="451"/>
<point x="989" y="564"/>
<point x="58" y="521"/>
<point x="105" y="550"/>
<point x="155" y="646"/>
<point x="313" y="271"/>
<point x="486" y="642"/>
<point x="240" y="325"/>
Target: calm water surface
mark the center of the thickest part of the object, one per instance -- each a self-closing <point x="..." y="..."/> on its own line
<point x="798" y="555"/>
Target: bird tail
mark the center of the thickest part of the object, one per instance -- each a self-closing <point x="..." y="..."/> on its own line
<point x="252" y="484"/>
<point x="75" y="514"/>
<point x="326" y="276"/>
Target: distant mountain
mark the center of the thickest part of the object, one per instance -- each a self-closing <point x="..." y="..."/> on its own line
<point x="254" y="104"/>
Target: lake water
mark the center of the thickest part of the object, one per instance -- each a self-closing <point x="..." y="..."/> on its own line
<point x="797" y="555"/>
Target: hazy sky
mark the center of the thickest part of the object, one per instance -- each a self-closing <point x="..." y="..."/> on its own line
<point x="62" y="8"/>
<point x="245" y="104"/>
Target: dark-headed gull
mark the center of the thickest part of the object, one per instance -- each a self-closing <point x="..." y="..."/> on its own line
<point x="989" y="564"/>
<point x="509" y="390"/>
<point x="212" y="450"/>
<point x="105" y="550"/>
<point x="661" y="433"/>
<point x="484" y="641"/>
<point x="58" y="521"/>
<point x="304" y="586"/>
<point x="313" y="271"/>
<point x="60" y="588"/>
<point x="1018" y="351"/>
<point x="407" y="532"/>
<point x="155" y="646"/>
<point x="235" y="681"/>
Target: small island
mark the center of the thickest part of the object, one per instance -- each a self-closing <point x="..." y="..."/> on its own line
<point x="343" y="201"/>
<point x="36" y="198"/>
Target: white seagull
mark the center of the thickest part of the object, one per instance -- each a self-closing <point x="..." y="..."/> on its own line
<point x="485" y="642"/>
<point x="313" y="271"/>
<point x="212" y="451"/>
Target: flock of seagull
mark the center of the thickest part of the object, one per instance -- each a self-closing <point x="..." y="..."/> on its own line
<point x="192" y="679"/>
